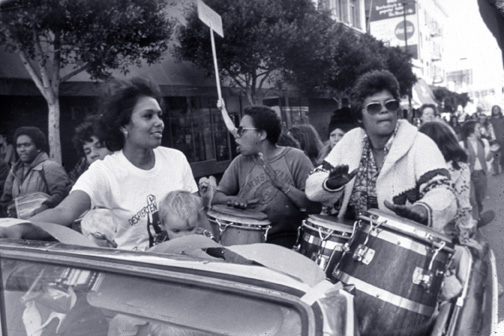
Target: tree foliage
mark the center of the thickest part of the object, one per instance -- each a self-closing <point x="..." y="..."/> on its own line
<point x="350" y="54"/>
<point x="262" y="37"/>
<point x="278" y="42"/>
<point x="57" y="39"/>
<point x="450" y="99"/>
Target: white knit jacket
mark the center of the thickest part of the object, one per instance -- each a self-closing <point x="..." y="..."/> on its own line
<point x="414" y="172"/>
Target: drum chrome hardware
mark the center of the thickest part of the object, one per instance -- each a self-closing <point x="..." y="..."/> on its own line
<point x="425" y="278"/>
<point x="223" y="226"/>
<point x="363" y="254"/>
<point x="236" y="226"/>
<point x="374" y="228"/>
<point x="266" y="232"/>
<point x="416" y="257"/>
<point x="323" y="239"/>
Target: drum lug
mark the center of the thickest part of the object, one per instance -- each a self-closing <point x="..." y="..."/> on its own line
<point x="421" y="278"/>
<point x="321" y="260"/>
<point x="363" y="254"/>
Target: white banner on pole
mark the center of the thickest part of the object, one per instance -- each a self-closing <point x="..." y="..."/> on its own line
<point x="210" y="18"/>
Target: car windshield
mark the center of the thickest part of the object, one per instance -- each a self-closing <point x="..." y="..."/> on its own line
<point x="45" y="299"/>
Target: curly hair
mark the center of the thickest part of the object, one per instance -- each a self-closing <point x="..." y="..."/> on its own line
<point x="35" y="134"/>
<point x="84" y="132"/>
<point x="446" y="141"/>
<point x="119" y="99"/>
<point x="370" y="83"/>
<point x="265" y="119"/>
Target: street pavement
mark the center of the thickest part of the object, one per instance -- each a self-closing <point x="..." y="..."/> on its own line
<point x="494" y="231"/>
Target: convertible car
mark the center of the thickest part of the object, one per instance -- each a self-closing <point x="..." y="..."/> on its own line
<point x="195" y="286"/>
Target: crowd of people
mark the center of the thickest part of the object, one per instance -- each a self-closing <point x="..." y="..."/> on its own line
<point x="129" y="192"/>
<point x="435" y="174"/>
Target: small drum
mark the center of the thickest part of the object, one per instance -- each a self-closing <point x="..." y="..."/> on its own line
<point x="321" y="238"/>
<point x="397" y="267"/>
<point x="234" y="226"/>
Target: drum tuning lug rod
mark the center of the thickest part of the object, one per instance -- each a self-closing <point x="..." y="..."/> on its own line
<point x="426" y="281"/>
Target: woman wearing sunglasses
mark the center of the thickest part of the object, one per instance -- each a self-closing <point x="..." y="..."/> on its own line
<point x="385" y="164"/>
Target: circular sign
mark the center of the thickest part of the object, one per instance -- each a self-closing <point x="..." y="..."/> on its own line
<point x="399" y="30"/>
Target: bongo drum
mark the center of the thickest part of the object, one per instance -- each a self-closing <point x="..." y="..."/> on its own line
<point x="397" y="267"/>
<point x="234" y="226"/>
<point x="322" y="238"/>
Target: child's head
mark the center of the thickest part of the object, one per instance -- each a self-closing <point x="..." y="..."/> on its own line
<point x="181" y="213"/>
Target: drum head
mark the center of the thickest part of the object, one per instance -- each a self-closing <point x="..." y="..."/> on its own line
<point x="331" y="223"/>
<point x="406" y="226"/>
<point x="235" y="215"/>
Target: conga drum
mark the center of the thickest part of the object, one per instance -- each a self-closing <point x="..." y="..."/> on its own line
<point x="322" y="238"/>
<point x="232" y="226"/>
<point x="397" y="267"/>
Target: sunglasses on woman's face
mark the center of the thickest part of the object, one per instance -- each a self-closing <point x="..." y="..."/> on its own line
<point x="240" y="130"/>
<point x="376" y="107"/>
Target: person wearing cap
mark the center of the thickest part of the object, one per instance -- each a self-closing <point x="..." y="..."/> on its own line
<point x="341" y="122"/>
<point x="385" y="164"/>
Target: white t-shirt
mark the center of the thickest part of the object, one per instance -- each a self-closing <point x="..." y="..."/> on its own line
<point x="133" y="194"/>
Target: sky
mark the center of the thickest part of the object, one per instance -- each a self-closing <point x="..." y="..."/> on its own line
<point x="471" y="45"/>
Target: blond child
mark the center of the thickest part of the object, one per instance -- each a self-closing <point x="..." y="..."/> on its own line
<point x="181" y="213"/>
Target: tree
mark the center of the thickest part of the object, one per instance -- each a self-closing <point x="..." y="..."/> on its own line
<point x="345" y="56"/>
<point x="450" y="99"/>
<point x="262" y="39"/>
<point x="358" y="54"/>
<point x="57" y="39"/>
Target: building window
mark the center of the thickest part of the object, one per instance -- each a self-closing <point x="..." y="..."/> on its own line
<point x="342" y="11"/>
<point x="194" y="126"/>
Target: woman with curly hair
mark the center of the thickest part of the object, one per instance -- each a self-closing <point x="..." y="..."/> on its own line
<point x="384" y="164"/>
<point x="125" y="187"/>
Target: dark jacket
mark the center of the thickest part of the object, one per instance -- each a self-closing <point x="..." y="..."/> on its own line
<point x="43" y="175"/>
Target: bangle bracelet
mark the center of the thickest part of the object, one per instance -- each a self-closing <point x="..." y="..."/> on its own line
<point x="287" y="191"/>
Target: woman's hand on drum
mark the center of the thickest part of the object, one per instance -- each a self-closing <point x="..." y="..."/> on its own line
<point x="240" y="203"/>
<point x="418" y="213"/>
<point x="339" y="176"/>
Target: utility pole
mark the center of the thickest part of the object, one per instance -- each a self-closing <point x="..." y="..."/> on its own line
<point x="410" y="108"/>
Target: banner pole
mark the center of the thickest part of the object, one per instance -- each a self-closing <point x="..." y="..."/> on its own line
<point x="214" y="54"/>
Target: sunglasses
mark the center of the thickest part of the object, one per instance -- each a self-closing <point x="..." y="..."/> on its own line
<point x="376" y="107"/>
<point x="240" y="130"/>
